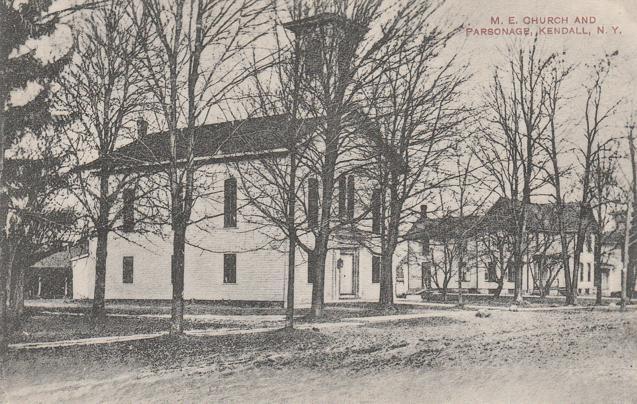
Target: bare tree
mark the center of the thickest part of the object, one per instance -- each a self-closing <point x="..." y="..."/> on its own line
<point x="189" y="63"/>
<point x="337" y="58"/>
<point x="497" y="256"/>
<point x="605" y="199"/>
<point x="444" y="265"/>
<point x="546" y="263"/>
<point x="414" y="101"/>
<point x="510" y="152"/>
<point x="274" y="185"/>
<point x="596" y="112"/>
<point x="555" y="144"/>
<point x="100" y="94"/>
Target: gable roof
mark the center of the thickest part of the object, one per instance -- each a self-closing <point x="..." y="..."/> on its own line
<point x="445" y="228"/>
<point x="58" y="260"/>
<point x="252" y="135"/>
<point x="541" y="218"/>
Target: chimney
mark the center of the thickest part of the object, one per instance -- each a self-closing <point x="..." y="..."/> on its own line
<point x="142" y="127"/>
<point x="423" y="211"/>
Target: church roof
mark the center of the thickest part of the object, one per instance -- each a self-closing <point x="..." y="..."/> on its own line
<point x="223" y="140"/>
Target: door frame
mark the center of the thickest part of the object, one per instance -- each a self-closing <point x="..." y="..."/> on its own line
<point x="355" y="273"/>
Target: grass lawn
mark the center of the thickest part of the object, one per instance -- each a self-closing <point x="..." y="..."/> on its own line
<point x="65" y="326"/>
<point x="451" y="356"/>
<point x="55" y="324"/>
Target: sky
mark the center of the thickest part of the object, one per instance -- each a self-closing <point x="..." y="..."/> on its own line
<point x="483" y="52"/>
<point x="486" y="51"/>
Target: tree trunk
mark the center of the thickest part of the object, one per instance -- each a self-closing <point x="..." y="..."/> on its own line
<point x="99" y="292"/>
<point x="4" y="270"/>
<point x="579" y="245"/>
<point x="289" y="313"/>
<point x="445" y="288"/>
<point x="460" y="301"/>
<point x="318" y="285"/>
<point x="630" y="279"/>
<point x="16" y="297"/>
<point x="598" y="267"/>
<point x="632" y="251"/>
<point x="498" y="289"/>
<point x="4" y="329"/>
<point x="177" y="267"/>
<point x="386" y="298"/>
<point x="98" y="311"/>
<point x="629" y="219"/>
<point x="565" y="263"/>
<point x="519" y="267"/>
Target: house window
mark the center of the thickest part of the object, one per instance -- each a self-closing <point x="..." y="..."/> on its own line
<point x="351" y="191"/>
<point x="230" y="203"/>
<point x="462" y="268"/>
<point x="581" y="272"/>
<point x="425" y="246"/>
<point x="128" y="210"/>
<point x="426" y="274"/>
<point x="229" y="268"/>
<point x="376" y="211"/>
<point x="127" y="270"/>
<point x="588" y="269"/>
<point x="342" y="198"/>
<point x="490" y="274"/>
<point x="589" y="246"/>
<point x="510" y="273"/>
<point x="312" y="202"/>
<point x="375" y="269"/>
<point x="311" y="266"/>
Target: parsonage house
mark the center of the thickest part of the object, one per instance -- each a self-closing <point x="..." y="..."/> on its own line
<point x="477" y="249"/>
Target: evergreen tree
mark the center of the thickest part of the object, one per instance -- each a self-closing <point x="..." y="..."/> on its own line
<point x="20" y="23"/>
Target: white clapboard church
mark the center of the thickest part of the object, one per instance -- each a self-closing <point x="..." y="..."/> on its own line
<point x="232" y="257"/>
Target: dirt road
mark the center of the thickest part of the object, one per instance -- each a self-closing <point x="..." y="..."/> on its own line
<point x="508" y="357"/>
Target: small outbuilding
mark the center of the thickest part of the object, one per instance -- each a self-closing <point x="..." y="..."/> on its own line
<point x="50" y="278"/>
